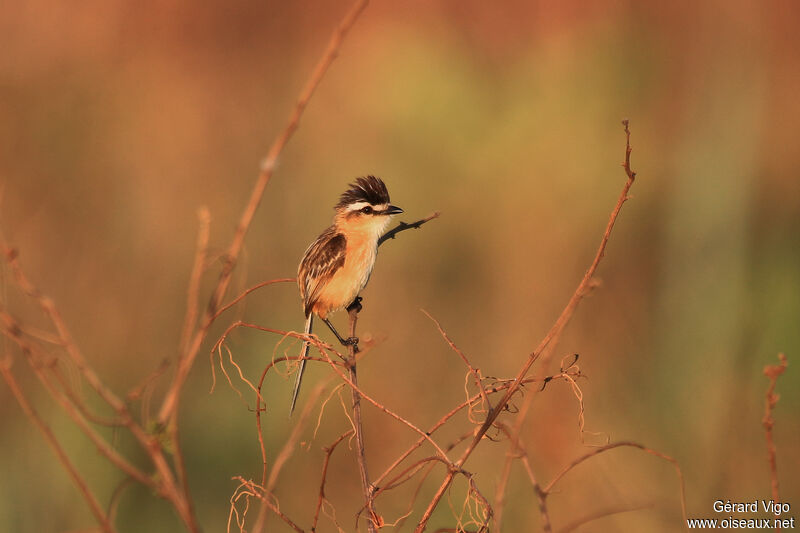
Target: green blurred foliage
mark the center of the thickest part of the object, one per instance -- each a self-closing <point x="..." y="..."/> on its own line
<point x="118" y="120"/>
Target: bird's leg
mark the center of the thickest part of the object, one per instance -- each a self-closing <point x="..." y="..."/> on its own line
<point x="350" y="341"/>
<point x="355" y="305"/>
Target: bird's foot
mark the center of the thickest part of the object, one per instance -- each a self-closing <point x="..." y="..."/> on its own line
<point x="350" y="341"/>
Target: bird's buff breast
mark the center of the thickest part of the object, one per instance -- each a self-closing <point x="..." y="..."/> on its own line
<point x="348" y="281"/>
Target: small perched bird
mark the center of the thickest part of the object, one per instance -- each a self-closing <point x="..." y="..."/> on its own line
<point x="337" y="266"/>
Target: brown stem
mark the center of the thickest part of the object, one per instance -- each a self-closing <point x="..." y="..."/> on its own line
<point x="583" y="288"/>
<point x="575" y="524"/>
<point x="183" y="480"/>
<point x="328" y="452"/>
<point x="516" y="449"/>
<point x="248" y="291"/>
<point x="149" y="443"/>
<point x="402" y="226"/>
<point x="374" y="521"/>
<point x="257" y="491"/>
<point x="772" y="372"/>
<point x="70" y="403"/>
<point x="267" y="167"/>
<point x="600" y="449"/>
<point x="440" y="423"/>
<point x="487" y="509"/>
<point x="30" y="412"/>
<point x="193" y="292"/>
<point x="65" y="338"/>
<point x="425" y="436"/>
<point x="476" y="376"/>
<point x="284" y="455"/>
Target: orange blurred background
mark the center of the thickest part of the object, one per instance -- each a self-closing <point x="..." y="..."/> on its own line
<point x="119" y="119"/>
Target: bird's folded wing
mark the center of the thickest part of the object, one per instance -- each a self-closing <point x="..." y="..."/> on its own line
<point x="322" y="260"/>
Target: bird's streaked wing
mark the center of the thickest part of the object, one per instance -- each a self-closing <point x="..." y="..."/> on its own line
<point x="322" y="259"/>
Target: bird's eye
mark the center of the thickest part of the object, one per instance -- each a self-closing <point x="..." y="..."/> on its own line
<point x="367" y="210"/>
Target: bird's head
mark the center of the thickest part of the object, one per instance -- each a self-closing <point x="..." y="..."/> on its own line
<point x="365" y="206"/>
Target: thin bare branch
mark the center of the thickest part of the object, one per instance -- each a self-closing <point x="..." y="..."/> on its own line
<point x="370" y="399"/>
<point x="402" y="226"/>
<point x="248" y="291"/>
<point x="257" y="491"/>
<point x="487" y="508"/>
<point x="49" y="309"/>
<point x="773" y="372"/>
<point x="30" y="412"/>
<point x="180" y="472"/>
<point x="516" y="449"/>
<point x="260" y="409"/>
<point x="374" y="521"/>
<point x="443" y="420"/>
<point x="193" y="293"/>
<point x="286" y="452"/>
<point x="267" y="167"/>
<point x="116" y="497"/>
<point x="549" y="488"/>
<point x="73" y="411"/>
<point x="150" y="444"/>
<point x="78" y="401"/>
<point x="610" y="511"/>
<point x="583" y="288"/>
<point x="476" y="374"/>
<point x="328" y="452"/>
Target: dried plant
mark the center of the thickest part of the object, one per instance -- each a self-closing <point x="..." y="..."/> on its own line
<point x="488" y="401"/>
<point x="773" y="372"/>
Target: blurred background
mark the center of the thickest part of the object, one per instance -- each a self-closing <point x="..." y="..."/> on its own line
<point x="118" y="120"/>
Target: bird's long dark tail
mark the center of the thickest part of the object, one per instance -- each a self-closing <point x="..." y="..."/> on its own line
<point x="302" y="366"/>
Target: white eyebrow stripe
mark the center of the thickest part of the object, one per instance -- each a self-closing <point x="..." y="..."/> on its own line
<point x="360" y="205"/>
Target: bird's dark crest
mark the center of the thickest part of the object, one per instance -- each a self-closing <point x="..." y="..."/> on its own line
<point x="367" y="189"/>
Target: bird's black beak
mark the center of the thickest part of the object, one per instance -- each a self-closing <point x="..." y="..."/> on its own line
<point x="393" y="210"/>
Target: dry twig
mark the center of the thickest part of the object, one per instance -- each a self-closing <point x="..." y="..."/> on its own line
<point x="476" y="374"/>
<point x="193" y="292"/>
<point x="192" y="336"/>
<point x="30" y="412"/>
<point x="773" y="372"/>
<point x="328" y="452"/>
<point x="402" y="226"/>
<point x="374" y="521"/>
<point x="617" y="509"/>
<point x="248" y="489"/>
<point x="517" y="451"/>
<point x="600" y="449"/>
<point x="186" y="362"/>
<point x="167" y="486"/>
<point x="583" y="288"/>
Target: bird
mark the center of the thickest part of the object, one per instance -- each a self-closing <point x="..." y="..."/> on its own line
<point x="338" y="264"/>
